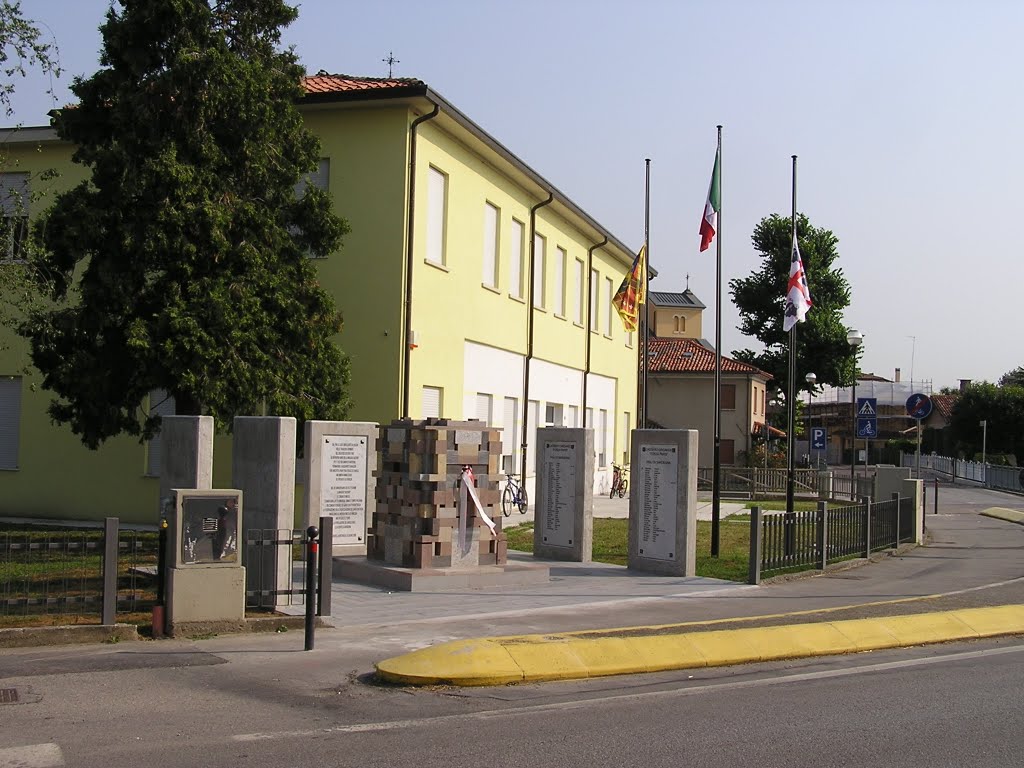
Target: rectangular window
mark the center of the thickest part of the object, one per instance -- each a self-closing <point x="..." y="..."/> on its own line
<point x="483" y="408"/>
<point x="561" y="265"/>
<point x="553" y="415"/>
<point x="10" y="421"/>
<point x="727" y="451"/>
<point x="437" y="215"/>
<point x="574" y="416"/>
<point x="728" y="397"/>
<point x="539" y="271"/>
<point x="579" y="294"/>
<point x="595" y="286"/>
<point x="626" y="437"/>
<point x="589" y="414"/>
<point x="491" y="217"/>
<point x="14" y="197"/>
<point x="610" y="309"/>
<point x="629" y="339"/>
<point x="532" y="415"/>
<point x="510" y="436"/>
<point x="602" y="438"/>
<point x="515" y="259"/>
<point x="433" y="401"/>
<point x="161" y="404"/>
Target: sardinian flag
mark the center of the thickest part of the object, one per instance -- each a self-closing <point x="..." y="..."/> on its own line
<point x="798" y="298"/>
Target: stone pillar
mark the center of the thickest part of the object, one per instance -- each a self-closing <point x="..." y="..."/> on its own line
<point x="915" y="490"/>
<point x="339" y="460"/>
<point x="564" y="504"/>
<point x="663" y="501"/>
<point x="263" y="468"/>
<point x="186" y="454"/>
<point x="889" y="480"/>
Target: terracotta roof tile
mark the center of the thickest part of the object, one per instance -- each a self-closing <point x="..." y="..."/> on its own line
<point x="324" y="82"/>
<point x="944" y="405"/>
<point x="690" y="356"/>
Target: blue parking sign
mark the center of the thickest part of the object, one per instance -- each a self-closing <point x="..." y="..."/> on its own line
<point x="819" y="438"/>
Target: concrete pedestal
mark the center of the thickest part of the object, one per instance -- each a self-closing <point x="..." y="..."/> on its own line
<point x="401" y="579"/>
<point x="186" y="454"/>
<point x="663" y="501"/>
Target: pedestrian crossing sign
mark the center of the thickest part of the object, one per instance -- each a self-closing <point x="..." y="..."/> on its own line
<point x="867" y="407"/>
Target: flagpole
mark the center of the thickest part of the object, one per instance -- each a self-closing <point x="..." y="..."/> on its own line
<point x="716" y="486"/>
<point x="647" y="284"/>
<point x="791" y="395"/>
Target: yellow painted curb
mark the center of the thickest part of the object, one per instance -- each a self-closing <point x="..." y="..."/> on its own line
<point x="1002" y="513"/>
<point x="579" y="655"/>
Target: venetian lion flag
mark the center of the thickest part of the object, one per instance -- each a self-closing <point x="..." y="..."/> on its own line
<point x="709" y="224"/>
<point x="632" y="292"/>
<point x="798" y="297"/>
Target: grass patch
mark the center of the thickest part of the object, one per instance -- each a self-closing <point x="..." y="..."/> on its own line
<point x="611" y="545"/>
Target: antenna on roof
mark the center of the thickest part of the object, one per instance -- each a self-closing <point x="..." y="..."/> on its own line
<point x="687" y="281"/>
<point x="391" y="61"/>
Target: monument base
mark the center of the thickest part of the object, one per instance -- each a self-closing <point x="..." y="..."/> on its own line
<point x="380" y="574"/>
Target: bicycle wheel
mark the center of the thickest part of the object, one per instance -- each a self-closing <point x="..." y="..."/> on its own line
<point x="611" y="492"/>
<point x="522" y="501"/>
<point x="507" y="500"/>
<point x="623" y="487"/>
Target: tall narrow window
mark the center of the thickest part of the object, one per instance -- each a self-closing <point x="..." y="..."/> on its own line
<point x="561" y="265"/>
<point x="14" y="199"/>
<point x="432" y="402"/>
<point x="626" y="437"/>
<point x="515" y="259"/>
<point x="161" y="404"/>
<point x="539" y="271"/>
<point x="629" y="339"/>
<point x="491" y="218"/>
<point x="579" y="294"/>
<point x="602" y="438"/>
<point x="437" y="210"/>
<point x="483" y="408"/>
<point x="532" y="416"/>
<point x="727" y="397"/>
<point x="510" y="436"/>
<point x="609" y="309"/>
<point x="574" y="416"/>
<point x="10" y="421"/>
<point x="595" y="286"/>
<point x="727" y="451"/>
<point x="589" y="414"/>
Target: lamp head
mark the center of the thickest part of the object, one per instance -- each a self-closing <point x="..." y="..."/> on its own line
<point x="854" y="338"/>
<point x="811" y="379"/>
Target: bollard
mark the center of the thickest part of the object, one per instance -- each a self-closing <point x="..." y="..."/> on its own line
<point x="311" y="560"/>
<point x="936" y="495"/>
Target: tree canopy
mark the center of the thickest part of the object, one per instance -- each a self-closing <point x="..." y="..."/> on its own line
<point x="1002" y="407"/>
<point x="1014" y="378"/>
<point x="821" y="339"/>
<point x="22" y="47"/>
<point x="182" y="263"/>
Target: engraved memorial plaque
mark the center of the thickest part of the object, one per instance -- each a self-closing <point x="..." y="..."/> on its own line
<point x="560" y="493"/>
<point x="658" y="483"/>
<point x="343" y="486"/>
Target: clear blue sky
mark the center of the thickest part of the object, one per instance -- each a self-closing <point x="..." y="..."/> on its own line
<point x="906" y="118"/>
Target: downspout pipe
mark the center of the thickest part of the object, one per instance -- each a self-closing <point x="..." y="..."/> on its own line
<point x="529" y="330"/>
<point x="407" y="328"/>
<point x="586" y="323"/>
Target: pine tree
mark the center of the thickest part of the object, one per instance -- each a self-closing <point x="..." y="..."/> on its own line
<point x="182" y="263"/>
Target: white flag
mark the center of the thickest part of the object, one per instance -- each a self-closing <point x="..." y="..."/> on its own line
<point x="798" y="298"/>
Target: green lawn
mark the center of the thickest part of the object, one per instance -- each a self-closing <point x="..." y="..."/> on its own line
<point x="610" y="545"/>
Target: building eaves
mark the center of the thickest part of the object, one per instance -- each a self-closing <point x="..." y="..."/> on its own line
<point x="684" y="356"/>
<point x="685" y="299"/>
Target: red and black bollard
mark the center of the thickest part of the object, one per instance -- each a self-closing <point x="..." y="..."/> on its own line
<point x="311" y="562"/>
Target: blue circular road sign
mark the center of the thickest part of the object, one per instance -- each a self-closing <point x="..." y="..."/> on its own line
<point x="919" y="406"/>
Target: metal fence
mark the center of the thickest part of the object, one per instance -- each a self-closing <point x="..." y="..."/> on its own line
<point x="991" y="476"/>
<point x="852" y="488"/>
<point x="77" y="572"/>
<point x="271" y="553"/>
<point x="803" y="540"/>
<point x="754" y="481"/>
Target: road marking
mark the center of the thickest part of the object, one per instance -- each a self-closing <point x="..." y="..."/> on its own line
<point x="32" y="756"/>
<point x="583" y="703"/>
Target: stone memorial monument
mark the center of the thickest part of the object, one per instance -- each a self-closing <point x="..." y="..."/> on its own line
<point x="663" y="501"/>
<point x="564" y="499"/>
<point x="340" y="457"/>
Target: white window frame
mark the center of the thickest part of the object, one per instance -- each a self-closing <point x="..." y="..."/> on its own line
<point x="561" y="269"/>
<point x="492" y="237"/>
<point x="428" y="397"/>
<point x="484" y="408"/>
<point x="516" y="263"/>
<point x="532" y="415"/>
<point x="626" y="438"/>
<point x="602" y="453"/>
<point x="574" y="415"/>
<point x="580" y="292"/>
<point x="539" y="270"/>
<point x="610" y="308"/>
<point x="14" y="206"/>
<point x="510" y="435"/>
<point x="437" y="216"/>
<point x="595" y="287"/>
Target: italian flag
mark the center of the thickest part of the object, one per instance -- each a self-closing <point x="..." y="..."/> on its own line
<point x="709" y="224"/>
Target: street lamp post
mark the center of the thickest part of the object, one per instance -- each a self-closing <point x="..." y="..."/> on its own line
<point x="811" y="380"/>
<point x="854" y="338"/>
<point x="984" y="439"/>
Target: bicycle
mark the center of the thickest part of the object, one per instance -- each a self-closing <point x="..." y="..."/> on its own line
<point x="513" y="497"/>
<point x="619" y="482"/>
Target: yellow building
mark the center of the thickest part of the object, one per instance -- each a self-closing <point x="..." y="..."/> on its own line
<point x="470" y="287"/>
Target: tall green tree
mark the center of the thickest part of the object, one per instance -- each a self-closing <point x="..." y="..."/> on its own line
<point x="1003" y="409"/>
<point x="760" y="298"/>
<point x="22" y="47"/>
<point x="182" y="263"/>
<point x="1014" y="378"/>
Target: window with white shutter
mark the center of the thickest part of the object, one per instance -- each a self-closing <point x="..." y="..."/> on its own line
<point x="561" y="265"/>
<point x="432" y="402"/>
<point x="491" y="219"/>
<point x="515" y="259"/>
<point x="510" y="435"/>
<point x="483" y="408"/>
<point x="579" y="293"/>
<point x="602" y="439"/>
<point x="539" y="272"/>
<point x="437" y="205"/>
<point x="595" y="286"/>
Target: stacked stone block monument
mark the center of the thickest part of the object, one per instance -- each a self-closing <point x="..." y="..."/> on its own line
<point x="416" y="523"/>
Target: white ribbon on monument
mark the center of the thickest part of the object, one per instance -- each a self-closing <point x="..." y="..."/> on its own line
<point x="467" y="491"/>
